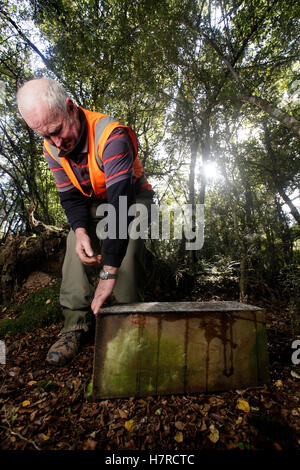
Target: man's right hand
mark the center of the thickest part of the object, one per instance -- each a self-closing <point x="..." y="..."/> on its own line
<point x="84" y="249"/>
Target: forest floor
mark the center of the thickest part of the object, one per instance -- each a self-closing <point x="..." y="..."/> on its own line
<point x="48" y="408"/>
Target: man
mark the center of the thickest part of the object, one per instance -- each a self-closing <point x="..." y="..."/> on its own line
<point x="94" y="160"/>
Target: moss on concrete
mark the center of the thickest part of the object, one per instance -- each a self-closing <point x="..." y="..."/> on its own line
<point x="35" y="312"/>
<point x="132" y="364"/>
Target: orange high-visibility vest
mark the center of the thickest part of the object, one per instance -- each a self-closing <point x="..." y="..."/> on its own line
<point x="99" y="127"/>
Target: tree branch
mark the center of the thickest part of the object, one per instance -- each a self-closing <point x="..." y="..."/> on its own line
<point x="20" y="32"/>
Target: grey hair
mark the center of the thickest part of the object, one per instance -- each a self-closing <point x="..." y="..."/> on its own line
<point x="54" y="95"/>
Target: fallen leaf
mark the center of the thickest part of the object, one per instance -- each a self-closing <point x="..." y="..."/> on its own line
<point x="239" y="420"/>
<point x="214" y="434"/>
<point x="166" y="429"/>
<point x="129" y="425"/>
<point x="178" y="437"/>
<point x="278" y="383"/>
<point x="40" y="401"/>
<point x="204" y="409"/>
<point x="48" y="301"/>
<point x="33" y="415"/>
<point x="269" y="404"/>
<point x="26" y="403"/>
<point x="45" y="437"/>
<point x="203" y="426"/>
<point x="32" y="382"/>
<point x="214" y="401"/>
<point x="277" y="446"/>
<point x="179" y="425"/>
<point x="254" y="408"/>
<point x="294" y="374"/>
<point x="123" y="414"/>
<point x="14" y="372"/>
<point x="89" y="445"/>
<point x="243" y="405"/>
<point x="158" y="412"/>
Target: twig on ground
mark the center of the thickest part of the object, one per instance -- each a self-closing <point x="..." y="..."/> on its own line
<point x="8" y="428"/>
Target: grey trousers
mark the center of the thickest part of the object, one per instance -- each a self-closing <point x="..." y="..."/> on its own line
<point x="79" y="281"/>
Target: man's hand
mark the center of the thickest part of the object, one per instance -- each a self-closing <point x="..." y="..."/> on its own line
<point x="84" y="249"/>
<point x="104" y="290"/>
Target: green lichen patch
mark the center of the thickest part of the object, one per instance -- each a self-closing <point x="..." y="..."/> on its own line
<point x="139" y="364"/>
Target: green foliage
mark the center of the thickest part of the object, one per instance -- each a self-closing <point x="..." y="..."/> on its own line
<point x="178" y="73"/>
<point x="289" y="280"/>
<point x="48" y="385"/>
<point x="34" y="312"/>
<point x="243" y="446"/>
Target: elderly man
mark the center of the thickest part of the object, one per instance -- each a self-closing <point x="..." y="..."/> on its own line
<point x="93" y="159"/>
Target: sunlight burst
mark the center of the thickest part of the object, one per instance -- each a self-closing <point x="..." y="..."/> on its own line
<point x="211" y="170"/>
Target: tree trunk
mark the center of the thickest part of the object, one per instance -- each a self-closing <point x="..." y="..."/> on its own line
<point x="277" y="183"/>
<point x="293" y="208"/>
<point x="194" y="151"/>
<point x="243" y="263"/>
<point x="273" y="111"/>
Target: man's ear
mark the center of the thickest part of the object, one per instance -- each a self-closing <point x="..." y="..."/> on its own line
<point x="69" y="105"/>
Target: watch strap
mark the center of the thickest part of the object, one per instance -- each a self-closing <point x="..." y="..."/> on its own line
<point x="104" y="274"/>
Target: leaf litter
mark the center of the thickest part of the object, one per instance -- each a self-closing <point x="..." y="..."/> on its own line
<point x="48" y="408"/>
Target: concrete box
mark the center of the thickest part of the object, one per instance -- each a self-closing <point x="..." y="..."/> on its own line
<point x="158" y="348"/>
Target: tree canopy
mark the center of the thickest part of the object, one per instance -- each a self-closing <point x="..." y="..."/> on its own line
<point x="204" y="83"/>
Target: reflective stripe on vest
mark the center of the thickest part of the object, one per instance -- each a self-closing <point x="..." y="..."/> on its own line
<point x="100" y="126"/>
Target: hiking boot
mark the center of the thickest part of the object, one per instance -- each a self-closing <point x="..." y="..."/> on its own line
<point x="65" y="348"/>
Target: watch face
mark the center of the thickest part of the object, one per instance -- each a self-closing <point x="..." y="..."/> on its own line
<point x="103" y="274"/>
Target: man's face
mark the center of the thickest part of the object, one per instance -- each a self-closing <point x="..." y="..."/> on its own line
<point x="59" y="130"/>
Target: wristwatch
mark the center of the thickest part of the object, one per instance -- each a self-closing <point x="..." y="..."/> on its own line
<point x="104" y="274"/>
